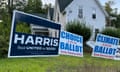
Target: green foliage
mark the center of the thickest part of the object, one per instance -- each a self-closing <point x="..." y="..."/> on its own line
<point x="19" y="5"/>
<point x="3" y="52"/>
<point x="111" y="32"/>
<point x="4" y="34"/>
<point x="116" y="23"/>
<point x="5" y="28"/>
<point x="79" y="28"/>
<point x="113" y="13"/>
<point x="29" y="6"/>
<point x="34" y="6"/>
<point x="108" y="7"/>
<point x="23" y="27"/>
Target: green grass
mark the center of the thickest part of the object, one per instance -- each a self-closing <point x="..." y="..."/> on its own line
<point x="57" y="64"/>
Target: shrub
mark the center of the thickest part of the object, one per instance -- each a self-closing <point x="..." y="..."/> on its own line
<point x="3" y="52"/>
<point x="79" y="28"/>
<point x="5" y="27"/>
<point x="111" y="32"/>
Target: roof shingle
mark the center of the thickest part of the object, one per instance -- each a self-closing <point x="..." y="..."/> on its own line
<point x="63" y="4"/>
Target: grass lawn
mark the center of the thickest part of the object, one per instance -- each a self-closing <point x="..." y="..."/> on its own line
<point x="59" y="64"/>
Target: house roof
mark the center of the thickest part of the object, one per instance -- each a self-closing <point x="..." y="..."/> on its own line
<point x="51" y="12"/>
<point x="63" y="4"/>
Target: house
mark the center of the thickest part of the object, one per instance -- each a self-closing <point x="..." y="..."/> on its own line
<point x="89" y="11"/>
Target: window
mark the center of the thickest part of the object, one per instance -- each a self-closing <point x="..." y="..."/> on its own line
<point x="94" y="13"/>
<point x="96" y="32"/>
<point x="94" y="16"/>
<point x="58" y="17"/>
<point x="42" y="33"/>
<point x="70" y="11"/>
<point x="80" y="12"/>
<point x="55" y="34"/>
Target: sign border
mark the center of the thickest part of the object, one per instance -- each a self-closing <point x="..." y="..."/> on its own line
<point x="95" y="44"/>
<point x="67" y="40"/>
<point x="12" y="30"/>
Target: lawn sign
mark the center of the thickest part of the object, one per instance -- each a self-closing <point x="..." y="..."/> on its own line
<point x="29" y="45"/>
<point x="105" y="47"/>
<point x="71" y="44"/>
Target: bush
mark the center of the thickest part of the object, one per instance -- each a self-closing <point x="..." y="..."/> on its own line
<point x="111" y="32"/>
<point x="4" y="35"/>
<point x="79" y="28"/>
<point x="5" y="28"/>
<point x="3" y="52"/>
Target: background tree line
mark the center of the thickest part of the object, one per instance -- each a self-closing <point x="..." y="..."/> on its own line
<point x="113" y="12"/>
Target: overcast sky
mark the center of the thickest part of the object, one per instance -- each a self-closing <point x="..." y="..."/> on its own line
<point x="117" y="3"/>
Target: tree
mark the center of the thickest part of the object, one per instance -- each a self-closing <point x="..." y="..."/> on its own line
<point x="29" y="6"/>
<point x="113" y="13"/>
<point x="19" y="5"/>
<point x="108" y="7"/>
<point x="34" y="6"/>
<point x="4" y="34"/>
<point x="116" y="22"/>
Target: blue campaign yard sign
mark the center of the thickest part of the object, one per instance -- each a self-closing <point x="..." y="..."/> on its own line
<point x="71" y="44"/>
<point x="105" y="46"/>
<point x="28" y="45"/>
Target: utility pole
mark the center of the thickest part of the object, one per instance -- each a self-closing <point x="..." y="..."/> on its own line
<point x="10" y="7"/>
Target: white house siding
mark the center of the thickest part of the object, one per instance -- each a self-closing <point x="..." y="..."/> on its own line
<point x="63" y="21"/>
<point x="53" y="32"/>
<point x="87" y="5"/>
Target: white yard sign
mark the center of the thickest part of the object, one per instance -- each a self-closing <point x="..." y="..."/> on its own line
<point x="71" y="44"/>
<point x="105" y="46"/>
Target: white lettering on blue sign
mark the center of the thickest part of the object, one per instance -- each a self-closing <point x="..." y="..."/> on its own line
<point x="35" y="41"/>
<point x="104" y="50"/>
<point x="106" y="39"/>
<point x="70" y="36"/>
<point x="70" y="47"/>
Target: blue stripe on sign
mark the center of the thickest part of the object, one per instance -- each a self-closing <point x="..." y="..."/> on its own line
<point x="36" y="20"/>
